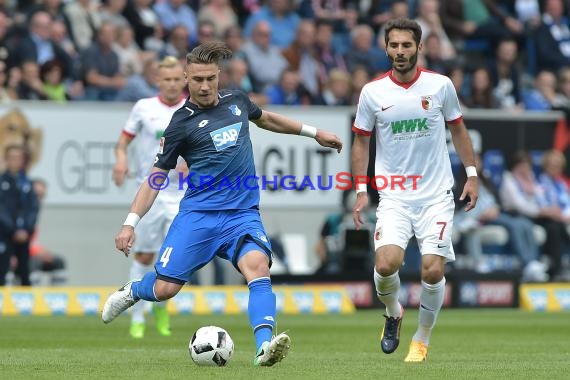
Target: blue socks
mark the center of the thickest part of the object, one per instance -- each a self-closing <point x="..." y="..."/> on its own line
<point x="261" y="309"/>
<point x="144" y="289"/>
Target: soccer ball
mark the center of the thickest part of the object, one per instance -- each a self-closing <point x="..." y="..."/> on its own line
<point x="211" y="346"/>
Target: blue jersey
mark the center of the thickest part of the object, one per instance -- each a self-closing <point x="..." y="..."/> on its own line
<point x="215" y="144"/>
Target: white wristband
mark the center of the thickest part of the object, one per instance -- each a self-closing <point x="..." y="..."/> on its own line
<point x="361" y="188"/>
<point x="308" y="131"/>
<point x="132" y="220"/>
<point x="471" y="171"/>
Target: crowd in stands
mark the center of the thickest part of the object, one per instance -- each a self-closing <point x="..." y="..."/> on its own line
<point x="505" y="54"/>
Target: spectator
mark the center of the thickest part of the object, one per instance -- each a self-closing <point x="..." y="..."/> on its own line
<point x="112" y="13"/>
<point x="234" y="39"/>
<point x="430" y="22"/>
<point x="552" y="38"/>
<point x="52" y="7"/>
<point x="84" y="20"/>
<point x="59" y="36"/>
<point x="141" y="86"/>
<point x="474" y="19"/>
<point x="361" y="50"/>
<point x="521" y="194"/>
<point x="543" y="96"/>
<point x="325" y="54"/>
<point x="282" y="18"/>
<point x="51" y="75"/>
<point x="30" y="86"/>
<point x="101" y="66"/>
<point x="505" y="75"/>
<point x="39" y="47"/>
<point x="359" y="77"/>
<point x="18" y="215"/>
<point x="7" y="95"/>
<point x="457" y="75"/>
<point x="301" y="56"/>
<point x="145" y="23"/>
<point x="220" y="14"/>
<point x="289" y="91"/>
<point x="206" y="33"/>
<point x="488" y="212"/>
<point x="172" y="13"/>
<point x="337" y="91"/>
<point x="481" y="91"/>
<point x="6" y="48"/>
<point x="128" y="52"/>
<point x="177" y="44"/>
<point x="432" y="54"/>
<point x="264" y="59"/>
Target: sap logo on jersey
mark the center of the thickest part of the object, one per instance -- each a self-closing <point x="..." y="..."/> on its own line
<point x="225" y="137"/>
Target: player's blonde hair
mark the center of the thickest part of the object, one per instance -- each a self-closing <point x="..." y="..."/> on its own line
<point x="209" y="52"/>
<point x="169" y="62"/>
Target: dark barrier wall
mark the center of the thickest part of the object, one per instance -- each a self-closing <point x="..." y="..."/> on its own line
<point x="510" y="132"/>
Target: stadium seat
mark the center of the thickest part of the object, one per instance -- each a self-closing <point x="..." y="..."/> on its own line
<point x="494" y="166"/>
<point x="456" y="164"/>
<point x="297" y="254"/>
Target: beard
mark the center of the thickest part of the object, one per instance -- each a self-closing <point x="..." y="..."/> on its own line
<point x="406" y="69"/>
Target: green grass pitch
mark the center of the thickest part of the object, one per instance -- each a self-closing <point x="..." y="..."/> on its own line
<point x="466" y="344"/>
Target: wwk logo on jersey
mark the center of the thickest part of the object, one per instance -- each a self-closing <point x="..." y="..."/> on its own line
<point x="411" y="125"/>
<point x="225" y="137"/>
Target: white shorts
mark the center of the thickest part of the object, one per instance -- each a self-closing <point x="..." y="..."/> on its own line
<point x="432" y="225"/>
<point x="152" y="228"/>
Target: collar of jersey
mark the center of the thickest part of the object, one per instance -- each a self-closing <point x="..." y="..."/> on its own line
<point x="407" y="84"/>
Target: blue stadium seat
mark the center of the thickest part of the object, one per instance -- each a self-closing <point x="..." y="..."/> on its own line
<point x="536" y="158"/>
<point x="456" y="164"/>
<point x="494" y="166"/>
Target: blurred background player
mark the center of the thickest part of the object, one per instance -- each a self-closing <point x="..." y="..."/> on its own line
<point x="147" y="121"/>
<point x="410" y="96"/>
<point x="18" y="215"/>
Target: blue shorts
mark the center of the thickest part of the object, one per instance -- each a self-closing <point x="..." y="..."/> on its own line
<point x="195" y="237"/>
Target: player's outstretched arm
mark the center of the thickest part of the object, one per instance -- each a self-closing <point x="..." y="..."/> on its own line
<point x="121" y="167"/>
<point x="275" y="122"/>
<point x="143" y="201"/>
<point x="359" y="162"/>
<point x="464" y="147"/>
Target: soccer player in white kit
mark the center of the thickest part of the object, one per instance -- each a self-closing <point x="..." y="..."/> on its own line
<point x="409" y="108"/>
<point x="147" y="122"/>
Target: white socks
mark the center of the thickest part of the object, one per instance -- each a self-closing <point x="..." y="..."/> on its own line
<point x="387" y="289"/>
<point x="431" y="300"/>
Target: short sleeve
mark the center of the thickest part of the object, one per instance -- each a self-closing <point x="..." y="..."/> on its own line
<point x="253" y="110"/>
<point x="172" y="145"/>
<point x="365" y="116"/>
<point x="451" y="108"/>
<point x="133" y="125"/>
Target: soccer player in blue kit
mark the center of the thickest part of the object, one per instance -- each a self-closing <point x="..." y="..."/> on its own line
<point x="219" y="214"/>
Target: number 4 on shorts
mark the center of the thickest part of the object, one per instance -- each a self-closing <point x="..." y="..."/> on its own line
<point x="165" y="256"/>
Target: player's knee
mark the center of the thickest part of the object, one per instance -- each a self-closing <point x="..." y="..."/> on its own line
<point x="385" y="268"/>
<point x="145" y="258"/>
<point x="432" y="274"/>
<point x="166" y="290"/>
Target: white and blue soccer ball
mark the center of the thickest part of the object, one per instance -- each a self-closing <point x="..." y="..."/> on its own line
<point x="211" y="346"/>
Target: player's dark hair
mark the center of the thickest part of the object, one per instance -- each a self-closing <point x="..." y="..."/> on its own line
<point x="404" y="24"/>
<point x="209" y="52"/>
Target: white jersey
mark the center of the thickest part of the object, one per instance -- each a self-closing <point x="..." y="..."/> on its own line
<point x="147" y="121"/>
<point x="410" y="121"/>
